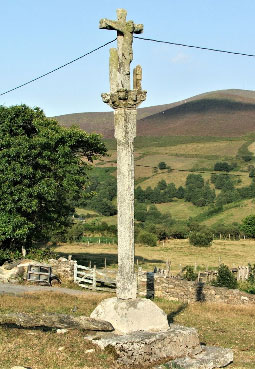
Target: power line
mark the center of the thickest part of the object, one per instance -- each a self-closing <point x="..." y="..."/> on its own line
<point x="139" y="38"/>
<point x="54" y="70"/>
<point x="195" y="47"/>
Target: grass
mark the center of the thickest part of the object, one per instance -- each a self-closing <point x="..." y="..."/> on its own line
<point x="217" y="324"/>
<point x="232" y="253"/>
<point x="179" y="209"/>
<point x="218" y="148"/>
<point x="233" y="212"/>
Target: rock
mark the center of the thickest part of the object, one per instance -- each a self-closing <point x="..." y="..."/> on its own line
<point x="148" y="347"/>
<point x="10" y="275"/>
<point x="131" y="315"/>
<point x="20" y="367"/>
<point x="27" y="320"/>
<point x="89" y="351"/>
<point x="209" y="358"/>
<point x="62" y="331"/>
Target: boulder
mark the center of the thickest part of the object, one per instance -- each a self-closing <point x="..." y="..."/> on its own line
<point x="27" y="320"/>
<point x="131" y="315"/>
<point x="142" y="348"/>
<point x="208" y="358"/>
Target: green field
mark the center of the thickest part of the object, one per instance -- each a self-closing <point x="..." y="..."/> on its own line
<point x="185" y="155"/>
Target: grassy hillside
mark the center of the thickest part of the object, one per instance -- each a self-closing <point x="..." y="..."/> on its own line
<point x="228" y="113"/>
<point x="190" y="137"/>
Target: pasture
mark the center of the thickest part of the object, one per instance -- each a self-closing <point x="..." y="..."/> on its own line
<point x="217" y="324"/>
<point x="231" y="253"/>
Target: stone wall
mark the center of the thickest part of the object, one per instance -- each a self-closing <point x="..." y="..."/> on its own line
<point x="175" y="289"/>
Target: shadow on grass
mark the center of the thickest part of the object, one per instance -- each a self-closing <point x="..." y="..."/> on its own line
<point x="100" y="259"/>
<point x="172" y="315"/>
<point x="42" y="328"/>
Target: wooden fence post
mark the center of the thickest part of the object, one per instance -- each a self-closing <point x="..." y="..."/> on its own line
<point x="75" y="271"/>
<point x="94" y="283"/>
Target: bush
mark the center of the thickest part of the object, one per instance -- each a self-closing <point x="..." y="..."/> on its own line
<point x="190" y="275"/>
<point x="225" y="278"/>
<point x="222" y="166"/>
<point x="147" y="238"/>
<point x="8" y="255"/>
<point x="203" y="239"/>
<point x="41" y="254"/>
<point x="248" y="226"/>
<point x="162" y="165"/>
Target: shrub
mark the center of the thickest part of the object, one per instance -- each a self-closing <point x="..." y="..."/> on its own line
<point x="41" y="254"/>
<point x="248" y="226"/>
<point x="190" y="275"/>
<point x="8" y="255"/>
<point x="222" y="166"/>
<point x="162" y="165"/>
<point x="225" y="278"/>
<point x="147" y="238"/>
<point x="203" y="239"/>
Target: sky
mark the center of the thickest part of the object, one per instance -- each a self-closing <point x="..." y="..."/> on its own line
<point x="40" y="35"/>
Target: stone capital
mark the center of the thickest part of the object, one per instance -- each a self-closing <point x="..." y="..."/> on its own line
<point x="127" y="99"/>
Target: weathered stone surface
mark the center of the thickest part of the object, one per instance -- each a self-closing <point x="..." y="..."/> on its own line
<point x="124" y="102"/>
<point x="55" y="321"/>
<point x="125" y="30"/>
<point x="148" y="347"/>
<point x="131" y="315"/>
<point x="209" y="358"/>
<point x="11" y="275"/>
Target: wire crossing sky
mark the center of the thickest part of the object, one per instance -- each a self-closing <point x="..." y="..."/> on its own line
<point x="107" y="43"/>
<point x="36" y="36"/>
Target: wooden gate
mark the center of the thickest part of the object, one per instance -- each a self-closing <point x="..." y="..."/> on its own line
<point x="92" y="279"/>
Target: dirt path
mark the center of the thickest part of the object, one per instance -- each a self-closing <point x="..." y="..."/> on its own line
<point x="16" y="289"/>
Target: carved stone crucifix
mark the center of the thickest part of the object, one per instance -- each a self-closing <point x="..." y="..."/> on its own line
<point x="124" y="102"/>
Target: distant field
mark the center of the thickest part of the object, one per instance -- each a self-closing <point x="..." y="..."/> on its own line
<point x="220" y="148"/>
<point x="179" y="209"/>
<point x="232" y="253"/>
<point x="236" y="214"/>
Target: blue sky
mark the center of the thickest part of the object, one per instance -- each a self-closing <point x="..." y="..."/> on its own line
<point x="40" y="35"/>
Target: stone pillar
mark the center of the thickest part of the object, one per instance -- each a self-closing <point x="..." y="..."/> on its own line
<point x="125" y="131"/>
<point x="124" y="102"/>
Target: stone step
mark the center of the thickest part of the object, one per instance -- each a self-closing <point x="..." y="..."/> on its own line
<point x="147" y="347"/>
<point x="209" y="358"/>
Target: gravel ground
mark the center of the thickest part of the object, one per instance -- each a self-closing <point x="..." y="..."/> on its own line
<point x="16" y="289"/>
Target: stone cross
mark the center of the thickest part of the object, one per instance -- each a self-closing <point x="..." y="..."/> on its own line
<point x="124" y="102"/>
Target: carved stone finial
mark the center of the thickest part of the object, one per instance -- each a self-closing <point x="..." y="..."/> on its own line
<point x="137" y="78"/>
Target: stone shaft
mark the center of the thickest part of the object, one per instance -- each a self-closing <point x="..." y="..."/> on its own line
<point x="124" y="102"/>
<point x="125" y="131"/>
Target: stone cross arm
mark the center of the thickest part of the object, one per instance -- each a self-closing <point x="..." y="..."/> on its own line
<point x="121" y="25"/>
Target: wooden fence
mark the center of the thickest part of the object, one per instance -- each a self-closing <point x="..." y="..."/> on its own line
<point x="92" y="279"/>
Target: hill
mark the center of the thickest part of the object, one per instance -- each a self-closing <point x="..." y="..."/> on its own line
<point x="226" y="113"/>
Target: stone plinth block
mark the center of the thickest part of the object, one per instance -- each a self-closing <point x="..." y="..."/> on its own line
<point x="131" y="315"/>
<point x="209" y="358"/>
<point x="148" y="347"/>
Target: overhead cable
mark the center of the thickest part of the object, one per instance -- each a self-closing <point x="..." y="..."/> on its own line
<point x="194" y="47"/>
<point x="56" y="69"/>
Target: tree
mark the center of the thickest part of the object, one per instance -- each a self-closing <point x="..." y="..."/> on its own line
<point x="223" y="166"/>
<point x="162" y="185"/>
<point x="162" y="165"/>
<point x="42" y="174"/>
<point x="201" y="238"/>
<point x="225" y="278"/>
<point x="248" y="226"/>
<point x="147" y="238"/>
